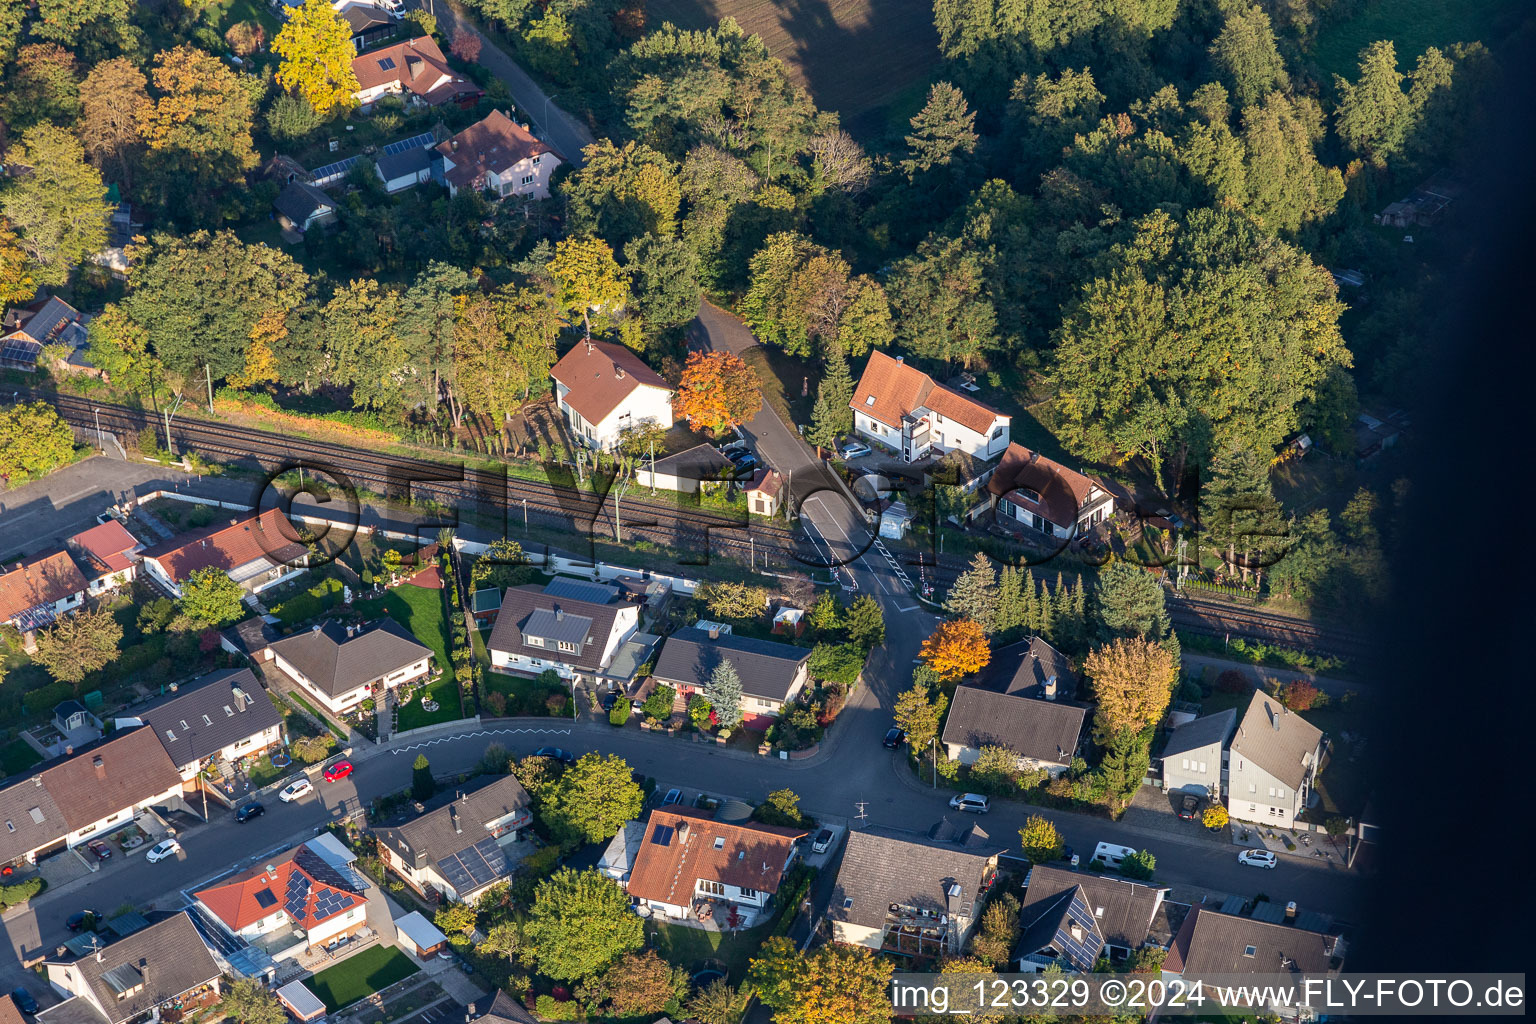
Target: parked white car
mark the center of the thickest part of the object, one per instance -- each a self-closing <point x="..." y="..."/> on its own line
<point x="395" y="7"/>
<point x="1258" y="858"/>
<point x="163" y="850"/>
<point x="294" y="790"/>
<point x="973" y="802"/>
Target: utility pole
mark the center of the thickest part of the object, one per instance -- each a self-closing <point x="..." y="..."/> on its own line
<point x="653" y="465"/>
<point x="525" y="517"/>
<point x="933" y="756"/>
<point x="103" y="447"/>
<point x="208" y="376"/>
<point x="789" y="492"/>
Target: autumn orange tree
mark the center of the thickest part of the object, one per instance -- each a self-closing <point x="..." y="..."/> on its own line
<point x="1133" y="683"/>
<point x="957" y="648"/>
<point x="717" y="391"/>
<point x="834" y="985"/>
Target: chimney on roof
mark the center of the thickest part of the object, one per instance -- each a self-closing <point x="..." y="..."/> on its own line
<point x="453" y="144"/>
<point x="101" y="768"/>
<point x="1077" y="932"/>
<point x="1050" y="687"/>
<point x="349" y="632"/>
<point x="315" y="628"/>
<point x="559" y="614"/>
<point x="414" y="65"/>
<point x="69" y="750"/>
<point x="453" y="816"/>
<point x="714" y="632"/>
<point x="901" y="359"/>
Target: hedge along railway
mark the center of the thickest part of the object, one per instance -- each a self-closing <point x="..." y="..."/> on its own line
<point x="446" y="484"/>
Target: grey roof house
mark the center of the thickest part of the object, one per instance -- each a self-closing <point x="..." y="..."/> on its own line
<point x="1210" y="943"/>
<point x="164" y="965"/>
<point x="301" y="206"/>
<point x="541" y="628"/>
<point x="1071" y="918"/>
<point x="772" y="674"/>
<point x="220" y="717"/>
<point x="455" y="850"/>
<point x="341" y="666"/>
<point x="1023" y="702"/>
<point x="909" y="898"/>
<point x="1274" y="757"/>
<point x="1195" y="756"/>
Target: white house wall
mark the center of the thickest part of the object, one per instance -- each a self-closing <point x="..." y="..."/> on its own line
<point x="120" y="818"/>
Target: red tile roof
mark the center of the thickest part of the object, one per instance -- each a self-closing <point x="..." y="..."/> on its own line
<point x="765" y="481"/>
<point x="680" y="847"/>
<point x="37" y="581"/>
<point x="268" y="536"/>
<point x="104" y="548"/>
<point x="495" y="144"/>
<point x="418" y="66"/>
<point x="600" y="375"/>
<point x="257" y="894"/>
<point x="107" y="777"/>
<point x="898" y="389"/>
<point x="1062" y="492"/>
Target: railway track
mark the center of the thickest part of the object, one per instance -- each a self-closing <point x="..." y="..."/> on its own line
<point x="399" y="477"/>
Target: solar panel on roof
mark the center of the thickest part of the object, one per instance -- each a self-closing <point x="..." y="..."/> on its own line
<point x="265" y="899"/>
<point x="387" y="64"/>
<point x="336" y="171"/>
<point x="421" y="141"/>
<point x="298" y="894"/>
<point x="20" y="350"/>
<point x="662" y="835"/>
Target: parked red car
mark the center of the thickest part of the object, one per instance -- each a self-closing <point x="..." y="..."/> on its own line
<point x="339" y="770"/>
<point x="99" y="848"/>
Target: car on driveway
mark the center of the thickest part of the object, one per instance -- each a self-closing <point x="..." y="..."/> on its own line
<point x="746" y="464"/>
<point x="1189" y="807"/>
<point x="894" y="738"/>
<point x="856" y="450"/>
<point x="80" y="918"/>
<point x="1258" y="858"/>
<point x="100" y="849"/>
<point x="296" y="789"/>
<point x="245" y="812"/>
<point x="674" y="796"/>
<point x="737" y="445"/>
<point x="823" y="841"/>
<point x="563" y="756"/>
<point x="162" y="850"/>
<point x="24" y="1001"/>
<point x="975" y="803"/>
<point x="337" y="771"/>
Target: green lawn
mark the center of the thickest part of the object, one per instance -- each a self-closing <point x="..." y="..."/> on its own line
<point x="685" y="947"/>
<point x="16" y="757"/>
<point x="421" y="611"/>
<point x="359" y="976"/>
<point x="308" y="597"/>
<point x="1413" y="25"/>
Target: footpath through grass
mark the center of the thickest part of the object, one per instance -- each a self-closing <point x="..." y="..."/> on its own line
<point x="359" y="976"/>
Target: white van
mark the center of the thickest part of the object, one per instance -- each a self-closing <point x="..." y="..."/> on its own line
<point x="1111" y="855"/>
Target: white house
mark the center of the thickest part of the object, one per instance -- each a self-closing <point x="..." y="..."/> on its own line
<point x="603" y="389"/>
<point x="1195" y="756"/>
<point x="901" y="408"/>
<point x="499" y="156"/>
<point x="106" y="555"/>
<point x="1274" y="757"/>
<point x="216" y="719"/>
<point x="256" y="552"/>
<point x="690" y="867"/>
<point x="35" y="592"/>
<point x="414" y="70"/>
<point x="541" y="628"/>
<point x="1046" y="496"/>
<point x="137" y="978"/>
<point x="300" y="898"/>
<point x="403" y="170"/>
<point x="772" y="674"/>
<point x="1024" y="702"/>
<point x="458" y="849"/>
<point x="342" y="666"/>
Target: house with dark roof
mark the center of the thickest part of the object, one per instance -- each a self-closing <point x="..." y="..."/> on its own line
<point x="211" y="722"/>
<point x="256" y="552"/>
<point x="368" y="23"/>
<point x="499" y="156"/>
<point x="106" y="555"/>
<point x="603" y="389"/>
<point x="910" y="897"/>
<point x="47" y="321"/>
<point x="404" y="169"/>
<point x="685" y="470"/>
<point x="36" y="591"/>
<point x="1070" y="919"/>
<point x="1195" y="756"/>
<point x="1274" y="757"/>
<point x="157" y="969"/>
<point x="540" y="628"/>
<point x="1046" y="496"/>
<point x="772" y="674"/>
<point x="1022" y="701"/>
<point x="504" y="1009"/>
<point x="342" y="666"/>
<point x="289" y="902"/>
<point x="690" y="867"/>
<point x="1212" y="943"/>
<point x="900" y="407"/>
<point x="456" y="849"/>
<point x="301" y="206"/>
<point x="414" y="70"/>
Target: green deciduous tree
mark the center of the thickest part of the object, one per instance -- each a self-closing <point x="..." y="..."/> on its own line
<point x="837" y="984"/>
<point x="315" y="45"/>
<point x="624" y="192"/>
<point x="1040" y="840"/>
<point x="34" y="441"/>
<point x="1239" y="514"/>
<point x="918" y="713"/>
<point x="580" y="922"/>
<point x="588" y="278"/>
<point x="58" y="205"/>
<point x="210" y="598"/>
<point x="77" y="645"/>
<point x="592" y="800"/>
<point x="664" y="275"/>
<point x="1286" y="185"/>
<point x="455" y="918"/>
<point x="943" y="308"/>
<point x="42" y="85"/>
<point x="781" y="808"/>
<point x="250" y="1002"/>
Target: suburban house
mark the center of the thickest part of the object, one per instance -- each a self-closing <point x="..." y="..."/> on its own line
<point x="1273" y="759"/>
<point x="455" y="850"/>
<point x="901" y="408"/>
<point x="157" y="969"/>
<point x="289" y="902"/>
<point x="1046" y="496"/>
<point x="691" y="868"/>
<point x="27" y="330"/>
<point x="603" y="389"/>
<point x="301" y="206"/>
<point x="342" y="666"/>
<point x="909" y="897"/>
<point x="414" y="70"/>
<point x="504" y="1009"/>
<point x="1023" y="701"/>
<point x="256" y="552"/>
<point x="212" y="722"/>
<point x="580" y="637"/>
<point x="404" y="169"/>
<point x="9" y="1014"/>
<point x="772" y="674"/>
<point x="683" y="471"/>
<point x="105" y="555"/>
<point x="1195" y="756"/>
<point x="1070" y="919"/>
<point x="35" y="592"/>
<point x="1212" y="943"/>
<point x="765" y="492"/>
<point x="497" y="155"/>
<point x="618" y="859"/>
<point x="368" y="24"/>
